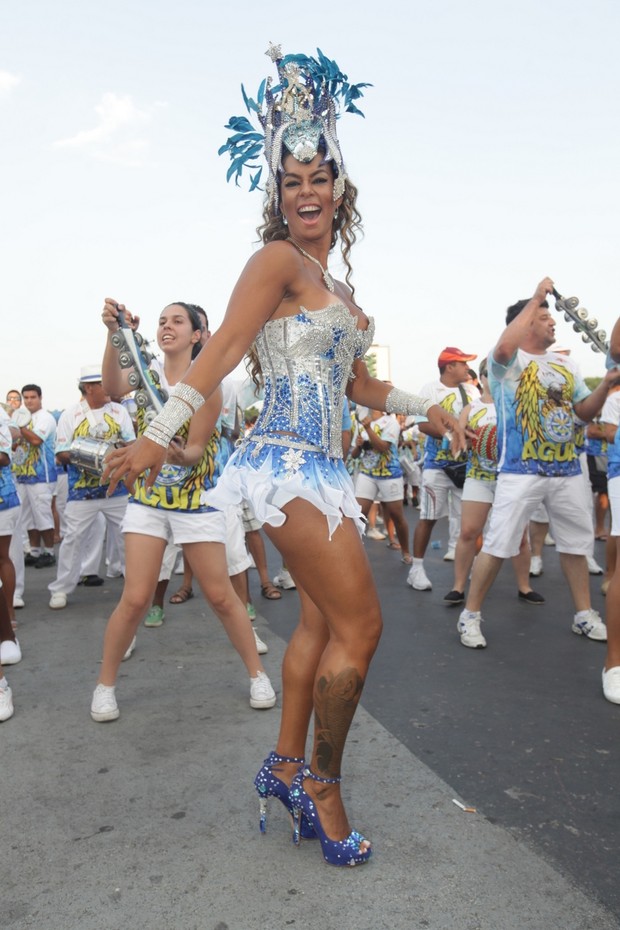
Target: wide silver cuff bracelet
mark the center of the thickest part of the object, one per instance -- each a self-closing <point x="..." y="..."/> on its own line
<point x="183" y="402"/>
<point x="399" y="401"/>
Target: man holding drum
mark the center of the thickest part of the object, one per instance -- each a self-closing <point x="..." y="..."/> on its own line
<point x="85" y="432"/>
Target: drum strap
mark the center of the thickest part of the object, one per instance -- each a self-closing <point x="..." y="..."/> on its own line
<point x="93" y="422"/>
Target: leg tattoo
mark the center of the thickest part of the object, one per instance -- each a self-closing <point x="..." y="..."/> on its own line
<point x="335" y="700"/>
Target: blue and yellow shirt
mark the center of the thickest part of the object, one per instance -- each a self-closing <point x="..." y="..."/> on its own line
<point x="179" y="487"/>
<point x="534" y="396"/>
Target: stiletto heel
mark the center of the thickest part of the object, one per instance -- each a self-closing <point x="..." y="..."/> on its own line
<point x="262" y="804"/>
<point x="297" y="816"/>
<point x="335" y="852"/>
<point x="269" y="785"/>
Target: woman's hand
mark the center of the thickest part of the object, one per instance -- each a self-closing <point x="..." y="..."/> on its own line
<point x="176" y="452"/>
<point x="129" y="463"/>
<point x="448" y="426"/>
<point x="110" y="315"/>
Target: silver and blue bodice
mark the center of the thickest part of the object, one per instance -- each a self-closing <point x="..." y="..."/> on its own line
<point x="306" y="362"/>
<point x="295" y="448"/>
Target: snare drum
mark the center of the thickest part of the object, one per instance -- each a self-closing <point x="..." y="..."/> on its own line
<point x="90" y="454"/>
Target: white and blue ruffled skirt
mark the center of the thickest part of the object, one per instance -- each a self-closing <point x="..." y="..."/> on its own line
<point x="270" y="471"/>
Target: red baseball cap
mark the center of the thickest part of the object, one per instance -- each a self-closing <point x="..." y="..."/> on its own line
<point x="451" y="354"/>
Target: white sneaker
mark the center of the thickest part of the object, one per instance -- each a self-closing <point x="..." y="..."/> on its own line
<point x="6" y="703"/>
<point x="611" y="684"/>
<point x="418" y="579"/>
<point x="536" y="566"/>
<point x="284" y="580"/>
<point x="262" y="694"/>
<point x="549" y="540"/>
<point x="58" y="600"/>
<point x="18" y="602"/>
<point x="261" y="647"/>
<point x="104" y="706"/>
<point x="593" y="567"/>
<point x="468" y="627"/>
<point x="130" y="649"/>
<point x="588" y="623"/>
<point x="449" y="556"/>
<point x="373" y="533"/>
<point x="10" y="653"/>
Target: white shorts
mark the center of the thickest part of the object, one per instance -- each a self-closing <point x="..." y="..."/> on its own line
<point x="437" y="489"/>
<point x="237" y="556"/>
<point x="384" y="490"/>
<point x="174" y="526"/>
<point x="9" y="519"/>
<point x="516" y="499"/>
<point x="250" y="523"/>
<point x="168" y="561"/>
<point x="540" y="515"/>
<point x="475" y="489"/>
<point x="613" y="492"/>
<point x="37" y="505"/>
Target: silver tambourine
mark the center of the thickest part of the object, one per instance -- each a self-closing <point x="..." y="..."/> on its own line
<point x="133" y="353"/>
<point x="90" y="454"/>
<point x="582" y="323"/>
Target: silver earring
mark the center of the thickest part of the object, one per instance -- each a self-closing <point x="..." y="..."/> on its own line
<point x="336" y="215"/>
<point x="284" y="220"/>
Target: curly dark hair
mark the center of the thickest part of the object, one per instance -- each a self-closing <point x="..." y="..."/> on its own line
<point x="347" y="224"/>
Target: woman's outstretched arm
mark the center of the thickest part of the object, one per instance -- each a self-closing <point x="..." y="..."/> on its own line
<point x="258" y="293"/>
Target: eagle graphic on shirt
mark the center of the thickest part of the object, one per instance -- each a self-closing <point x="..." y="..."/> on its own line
<point x="544" y="412"/>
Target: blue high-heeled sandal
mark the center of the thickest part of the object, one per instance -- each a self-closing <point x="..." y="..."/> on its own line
<point x="335" y="852"/>
<point x="269" y="785"/>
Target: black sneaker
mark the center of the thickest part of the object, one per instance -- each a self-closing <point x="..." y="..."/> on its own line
<point x="45" y="560"/>
<point x="531" y="597"/>
<point x="454" y="597"/>
<point x="91" y="581"/>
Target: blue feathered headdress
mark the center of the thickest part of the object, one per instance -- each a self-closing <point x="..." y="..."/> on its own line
<point x="300" y="111"/>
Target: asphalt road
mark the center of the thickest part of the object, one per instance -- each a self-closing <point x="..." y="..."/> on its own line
<point x="150" y="822"/>
<point x="521" y="729"/>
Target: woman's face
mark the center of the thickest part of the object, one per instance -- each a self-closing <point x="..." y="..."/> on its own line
<point x="175" y="331"/>
<point x="306" y="197"/>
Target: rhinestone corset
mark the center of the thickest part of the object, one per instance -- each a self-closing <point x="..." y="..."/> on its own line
<point x="306" y="362"/>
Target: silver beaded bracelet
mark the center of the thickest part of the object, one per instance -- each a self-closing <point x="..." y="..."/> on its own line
<point x="399" y="401"/>
<point x="190" y="395"/>
<point x="183" y="402"/>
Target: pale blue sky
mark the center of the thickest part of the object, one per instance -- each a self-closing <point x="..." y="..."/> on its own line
<point x="488" y="158"/>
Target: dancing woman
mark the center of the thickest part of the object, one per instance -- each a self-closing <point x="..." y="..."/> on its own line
<point x="172" y="507"/>
<point x="310" y="337"/>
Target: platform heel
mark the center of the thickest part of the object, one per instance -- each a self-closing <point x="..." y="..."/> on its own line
<point x="335" y="852"/>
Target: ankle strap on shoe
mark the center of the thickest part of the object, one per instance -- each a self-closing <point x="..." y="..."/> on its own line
<point x="307" y="773"/>
<point x="276" y="757"/>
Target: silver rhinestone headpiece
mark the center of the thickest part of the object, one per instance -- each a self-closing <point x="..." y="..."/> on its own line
<point x="298" y="115"/>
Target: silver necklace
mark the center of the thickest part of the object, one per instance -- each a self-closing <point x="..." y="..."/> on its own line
<point x="329" y="281"/>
